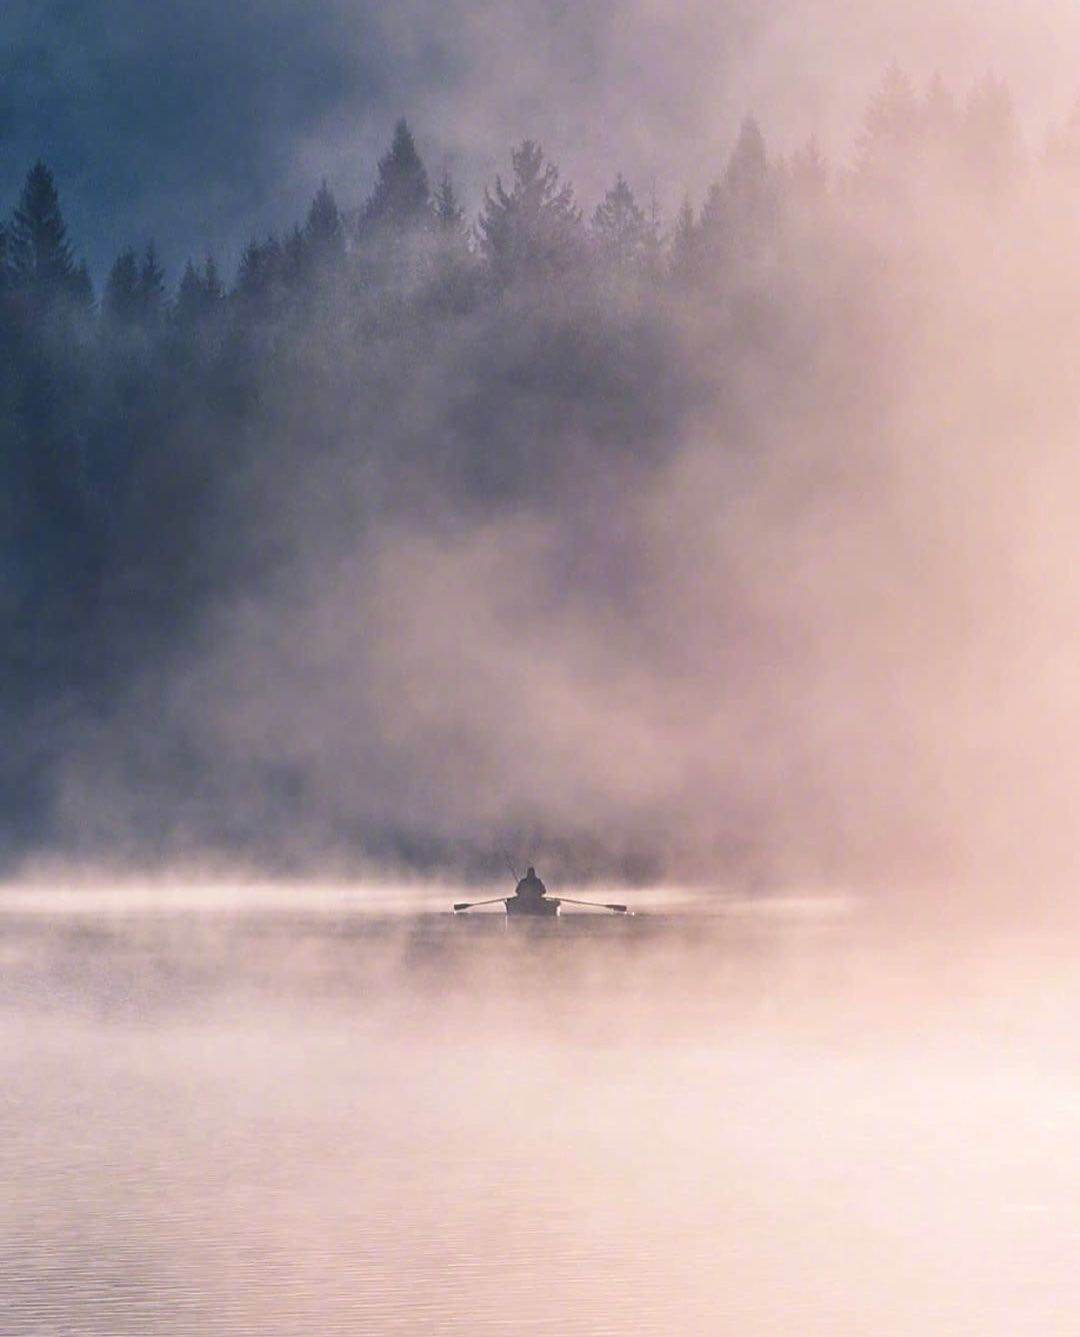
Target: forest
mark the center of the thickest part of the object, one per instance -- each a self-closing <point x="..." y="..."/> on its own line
<point x="424" y="532"/>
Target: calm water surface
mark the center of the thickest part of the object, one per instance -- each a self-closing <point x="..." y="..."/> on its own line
<point x="278" y="1119"/>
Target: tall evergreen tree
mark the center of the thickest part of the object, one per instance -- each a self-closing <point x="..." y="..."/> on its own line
<point x="990" y="136"/>
<point x="324" y="234"/>
<point x="122" y="302"/>
<point x="41" y="259"/>
<point x="808" y="174"/>
<point x="685" y="244"/>
<point x="892" y="129"/>
<point x="739" y="213"/>
<point x="620" y="227"/>
<point x="401" y="200"/>
<point x="151" y="286"/>
<point x="261" y="271"/>
<point x="535" y="227"/>
<point x="449" y="215"/>
<point x="199" y="295"/>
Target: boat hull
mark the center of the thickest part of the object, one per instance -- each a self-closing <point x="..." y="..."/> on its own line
<point x="517" y="908"/>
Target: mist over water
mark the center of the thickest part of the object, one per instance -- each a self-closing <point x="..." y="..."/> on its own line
<point x="287" y="1118"/>
<point x="654" y="459"/>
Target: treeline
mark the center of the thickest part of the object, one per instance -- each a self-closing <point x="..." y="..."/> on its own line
<point x="165" y="451"/>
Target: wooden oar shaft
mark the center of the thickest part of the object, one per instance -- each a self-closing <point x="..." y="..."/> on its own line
<point x="471" y="905"/>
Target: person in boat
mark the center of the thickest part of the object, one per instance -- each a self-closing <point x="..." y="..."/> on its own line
<point x="530" y="888"/>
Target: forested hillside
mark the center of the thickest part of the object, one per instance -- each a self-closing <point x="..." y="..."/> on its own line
<point x="424" y="531"/>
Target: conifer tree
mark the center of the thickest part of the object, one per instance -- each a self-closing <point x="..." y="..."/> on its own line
<point x="685" y="244"/>
<point x="151" y="286"/>
<point x="200" y="293"/>
<point x="739" y="213"/>
<point x="892" y="129"/>
<point x="535" y="227"/>
<point x="808" y="174"/>
<point x="620" y="228"/>
<point x="122" y="302"/>
<point x="215" y="289"/>
<point x="324" y="235"/>
<point x="449" y="215"/>
<point x="990" y="136"/>
<point x="188" y="309"/>
<point x="939" y="108"/>
<point x="260" y="271"/>
<point x="82" y="287"/>
<point x="41" y="260"/>
<point x="401" y="200"/>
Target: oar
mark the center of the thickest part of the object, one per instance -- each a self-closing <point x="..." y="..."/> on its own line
<point x="471" y="905"/>
<point x="596" y="905"/>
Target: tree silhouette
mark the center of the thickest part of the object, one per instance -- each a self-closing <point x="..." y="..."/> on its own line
<point x="449" y="215"/>
<point x="685" y="254"/>
<point x="892" y="127"/>
<point x="808" y="174"/>
<point x="151" y="286"/>
<point x="122" y="301"/>
<point x="324" y="234"/>
<point x="990" y="136"/>
<point x="199" y="295"/>
<point x="620" y="228"/>
<point x="401" y="200"/>
<point x="535" y="227"/>
<point x="739" y="214"/>
<point x="40" y="256"/>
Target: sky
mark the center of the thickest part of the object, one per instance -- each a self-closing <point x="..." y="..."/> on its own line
<point x="197" y="125"/>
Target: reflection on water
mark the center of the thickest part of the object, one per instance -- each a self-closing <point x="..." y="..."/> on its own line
<point x="281" y="1121"/>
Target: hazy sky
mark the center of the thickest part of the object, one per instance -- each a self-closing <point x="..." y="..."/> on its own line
<point x="197" y="123"/>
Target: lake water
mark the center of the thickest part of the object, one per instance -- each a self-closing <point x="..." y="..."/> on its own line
<point x="278" y="1114"/>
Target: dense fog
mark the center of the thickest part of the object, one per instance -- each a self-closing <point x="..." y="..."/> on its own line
<point x="727" y="542"/>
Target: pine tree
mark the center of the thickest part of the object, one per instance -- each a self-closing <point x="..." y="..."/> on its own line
<point x="190" y="297"/>
<point x="535" y="227"/>
<point x="808" y="174"/>
<point x="685" y="244"/>
<point x="199" y="295"/>
<point x="892" y="128"/>
<point x="122" y="302"/>
<point x="324" y="235"/>
<point x="990" y="136"/>
<point x="41" y="260"/>
<point x="151" y="286"/>
<point x="260" y="271"/>
<point x="215" y="289"/>
<point x="449" y="215"/>
<point x="401" y="200"/>
<point x="654" y="235"/>
<point x="82" y="288"/>
<point x="620" y="228"/>
<point x="939" y="108"/>
<point x="740" y="210"/>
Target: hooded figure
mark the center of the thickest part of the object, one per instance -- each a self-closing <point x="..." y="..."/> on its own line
<point x="530" y="888"/>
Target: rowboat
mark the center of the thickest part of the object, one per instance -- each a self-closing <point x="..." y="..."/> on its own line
<point x="539" y="907"/>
